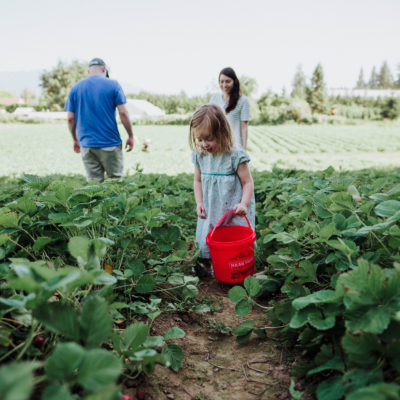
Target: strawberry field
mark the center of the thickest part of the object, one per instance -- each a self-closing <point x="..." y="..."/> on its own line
<point x="86" y="269"/>
<point x="98" y="298"/>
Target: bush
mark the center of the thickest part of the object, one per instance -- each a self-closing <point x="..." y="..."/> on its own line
<point x="356" y="111"/>
<point x="300" y="111"/>
<point x="12" y="107"/>
<point x="391" y="108"/>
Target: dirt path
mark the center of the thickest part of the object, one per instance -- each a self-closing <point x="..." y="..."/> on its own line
<point x="216" y="367"/>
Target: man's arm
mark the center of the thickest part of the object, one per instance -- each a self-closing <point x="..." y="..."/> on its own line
<point x="72" y="129"/>
<point x="126" y="122"/>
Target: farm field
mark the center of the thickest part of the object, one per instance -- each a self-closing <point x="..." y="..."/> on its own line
<point x="99" y="298"/>
<point x="47" y="148"/>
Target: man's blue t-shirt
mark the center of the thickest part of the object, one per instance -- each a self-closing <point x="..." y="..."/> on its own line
<point x="93" y="100"/>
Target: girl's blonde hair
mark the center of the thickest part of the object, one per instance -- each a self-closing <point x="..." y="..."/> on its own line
<point x="212" y="119"/>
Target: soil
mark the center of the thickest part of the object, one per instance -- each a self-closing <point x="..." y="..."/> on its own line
<point x="216" y="367"/>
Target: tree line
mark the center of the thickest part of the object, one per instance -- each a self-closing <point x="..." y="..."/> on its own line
<point x="379" y="80"/>
<point x="308" y="97"/>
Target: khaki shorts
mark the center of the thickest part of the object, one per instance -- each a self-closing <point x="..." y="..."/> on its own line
<point x="99" y="160"/>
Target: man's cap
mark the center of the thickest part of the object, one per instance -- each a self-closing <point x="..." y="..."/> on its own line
<point x="97" y="61"/>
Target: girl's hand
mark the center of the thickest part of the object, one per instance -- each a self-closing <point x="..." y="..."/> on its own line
<point x="240" y="209"/>
<point x="201" y="212"/>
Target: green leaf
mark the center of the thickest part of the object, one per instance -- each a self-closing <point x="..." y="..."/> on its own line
<point x="359" y="378"/>
<point x="59" y="318"/>
<point x="375" y="320"/>
<point x="134" y="336"/>
<point x="353" y="192"/>
<point x="387" y="208"/>
<point x="363" y="349"/>
<point x="99" y="369"/>
<point x="174" y="333"/>
<point x="306" y="271"/>
<point x="286" y="238"/>
<point x="95" y="321"/>
<point x="174" y="355"/>
<point x="41" y="242"/>
<point x="347" y="247"/>
<point x="16" y="380"/>
<point x="236" y="294"/>
<point x="25" y="204"/>
<point x="322" y="296"/>
<point x="299" y="319"/>
<point x="62" y="365"/>
<point x="56" y="392"/>
<point x="320" y="322"/>
<point x="244" y="328"/>
<point x="4" y="238"/>
<point x="9" y="220"/>
<point x="145" y="284"/>
<point x="162" y="246"/>
<point x="327" y="231"/>
<point x="335" y="363"/>
<point x="242" y="307"/>
<point x="341" y="201"/>
<point x="331" y="389"/>
<point x="79" y="247"/>
<point x="252" y="286"/>
<point x="243" y="339"/>
<point x="190" y="291"/>
<point x="380" y="391"/>
<point x="137" y="267"/>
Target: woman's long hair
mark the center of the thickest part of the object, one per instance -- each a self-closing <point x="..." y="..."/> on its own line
<point x="235" y="92"/>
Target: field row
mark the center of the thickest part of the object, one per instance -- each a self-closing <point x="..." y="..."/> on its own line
<point x="47" y="148"/>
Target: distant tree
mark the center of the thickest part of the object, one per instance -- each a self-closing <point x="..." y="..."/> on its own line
<point x="299" y="84"/>
<point x="248" y="85"/>
<point x="385" y="79"/>
<point x="316" y="94"/>
<point x="7" y="94"/>
<point x="28" y="96"/>
<point x="361" y="82"/>
<point x="57" y="83"/>
<point x="373" y="82"/>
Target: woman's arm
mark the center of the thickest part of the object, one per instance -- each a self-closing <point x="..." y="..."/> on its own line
<point x="244" y="126"/>
<point x="198" y="193"/>
<point x="246" y="180"/>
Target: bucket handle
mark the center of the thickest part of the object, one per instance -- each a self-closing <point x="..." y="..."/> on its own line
<point x="229" y="212"/>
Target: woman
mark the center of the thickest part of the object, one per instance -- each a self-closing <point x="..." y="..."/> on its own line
<point x="235" y="104"/>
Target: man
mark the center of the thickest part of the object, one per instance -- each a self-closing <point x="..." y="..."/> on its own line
<point x="91" y="108"/>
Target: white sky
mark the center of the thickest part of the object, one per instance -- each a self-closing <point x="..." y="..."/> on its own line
<point x="173" y="45"/>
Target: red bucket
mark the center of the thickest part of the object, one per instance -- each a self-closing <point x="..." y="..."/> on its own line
<point x="232" y="251"/>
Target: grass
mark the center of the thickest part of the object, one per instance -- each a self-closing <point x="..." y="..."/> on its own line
<point x="47" y="148"/>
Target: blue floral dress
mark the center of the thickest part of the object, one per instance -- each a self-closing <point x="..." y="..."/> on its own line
<point x="221" y="191"/>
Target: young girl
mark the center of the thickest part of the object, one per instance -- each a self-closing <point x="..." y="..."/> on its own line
<point x="222" y="178"/>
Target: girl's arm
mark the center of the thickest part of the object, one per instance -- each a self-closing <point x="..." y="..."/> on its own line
<point x="198" y="193"/>
<point x="244" y="127"/>
<point x="246" y="180"/>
